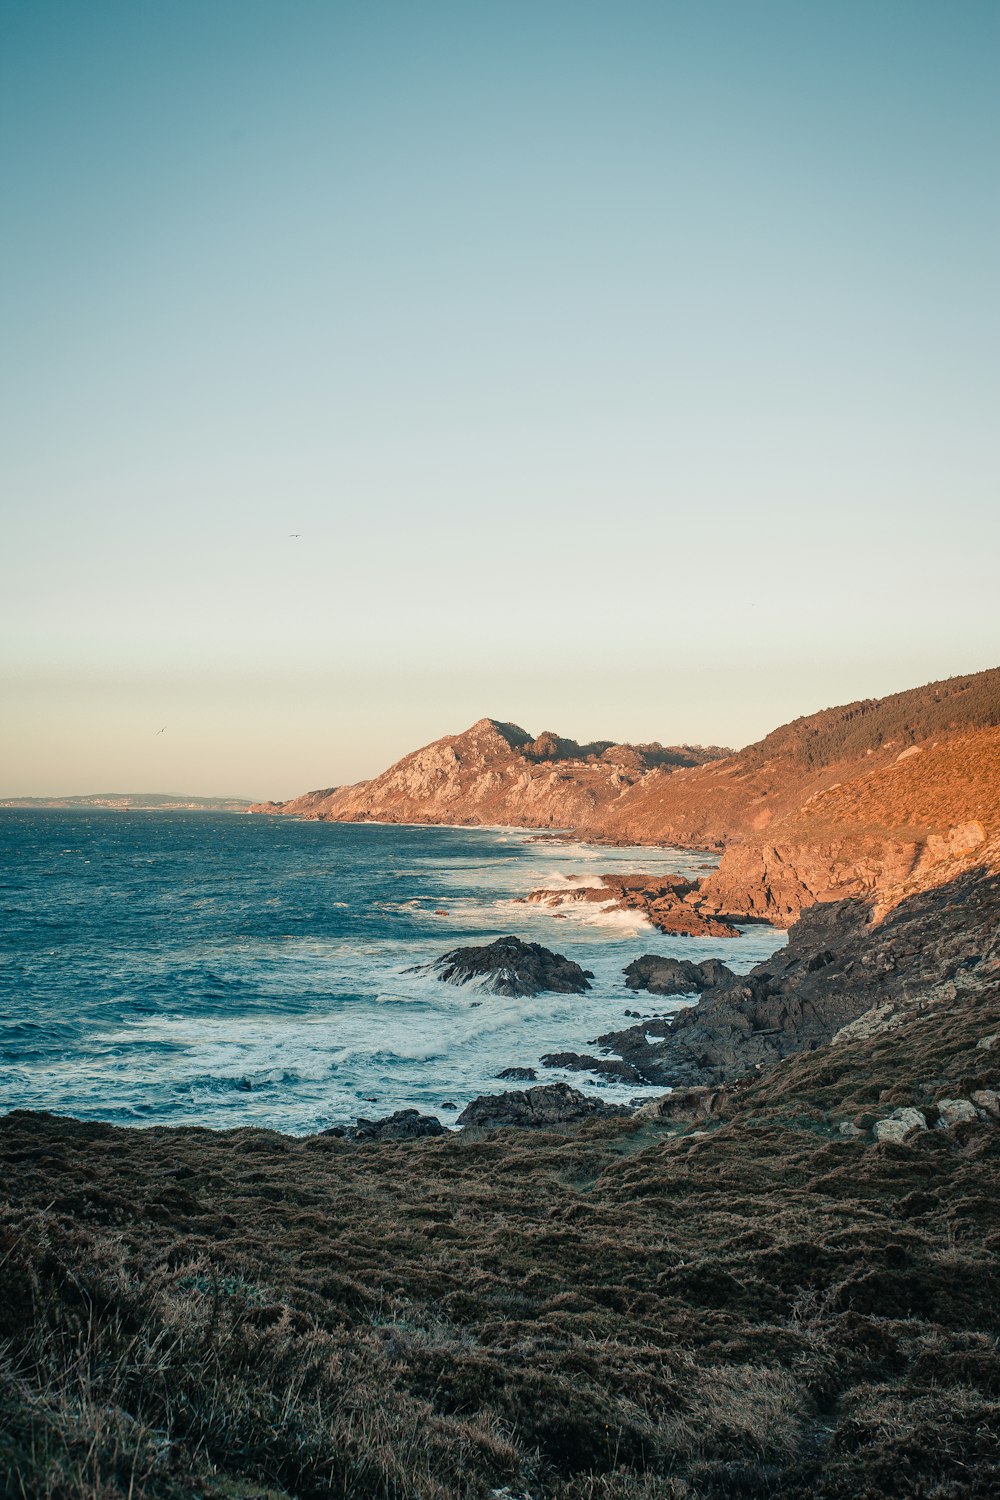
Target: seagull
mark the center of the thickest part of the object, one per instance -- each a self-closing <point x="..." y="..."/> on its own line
<point x="159" y="731"/>
<point x="295" y="533"/>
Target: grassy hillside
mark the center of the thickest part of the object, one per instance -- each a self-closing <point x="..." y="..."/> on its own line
<point x="753" y="1307"/>
<point x="748" y="793"/>
<point x="858" y="730"/>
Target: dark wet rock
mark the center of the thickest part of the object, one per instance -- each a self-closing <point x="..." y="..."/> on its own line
<point x="404" y="1125"/>
<point x="517" y="1075"/>
<point x="840" y="972"/>
<point x="543" y="1108"/>
<point x="510" y="967"/>
<point x="668" y="901"/>
<point x="675" y="976"/>
<point x="581" y="1062"/>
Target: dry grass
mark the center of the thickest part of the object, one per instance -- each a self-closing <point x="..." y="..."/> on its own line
<point x="758" y="1309"/>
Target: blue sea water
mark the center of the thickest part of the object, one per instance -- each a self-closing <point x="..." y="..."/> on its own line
<point x="225" y="970"/>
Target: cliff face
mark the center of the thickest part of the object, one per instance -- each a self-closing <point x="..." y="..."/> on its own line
<point x="496" y="773"/>
<point x="882" y="835"/>
<point x="875" y="799"/>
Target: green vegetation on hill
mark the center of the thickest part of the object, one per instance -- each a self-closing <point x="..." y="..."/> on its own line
<point x="857" y="729"/>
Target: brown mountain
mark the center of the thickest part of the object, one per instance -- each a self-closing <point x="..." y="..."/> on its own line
<point x="741" y="796"/>
<point x="882" y="834"/>
<point x="496" y="773"/>
<point x="875" y="798"/>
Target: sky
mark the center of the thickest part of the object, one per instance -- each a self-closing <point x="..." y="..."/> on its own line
<point x="623" y="369"/>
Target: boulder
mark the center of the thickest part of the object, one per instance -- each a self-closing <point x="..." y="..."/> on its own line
<point x="683" y="1104"/>
<point x="510" y="967"/>
<point x="899" y="1125"/>
<point x="582" y="1062"/>
<point x="404" y="1125"/>
<point x="517" y="1075"/>
<point x="988" y="1100"/>
<point x="675" y="976"/>
<point x="543" y="1108"/>
<point x="952" y="1112"/>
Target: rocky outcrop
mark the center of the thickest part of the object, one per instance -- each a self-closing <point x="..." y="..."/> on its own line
<point x="880" y="834"/>
<point x="841" y="976"/>
<point x="581" y="1062"/>
<point x="899" y="1126"/>
<point x="669" y="902"/>
<point x="510" y="967"/>
<point x="952" y="1112"/>
<point x="684" y="1106"/>
<point x="675" y="976"/>
<point x="546" y="1107"/>
<point x="308" y="805"/>
<point x="404" y="1125"/>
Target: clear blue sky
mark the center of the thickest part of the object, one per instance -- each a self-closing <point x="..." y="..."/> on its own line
<point x="628" y="369"/>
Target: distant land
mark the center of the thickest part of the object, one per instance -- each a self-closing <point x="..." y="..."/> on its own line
<point x="875" y="799"/>
<point x="135" y="802"/>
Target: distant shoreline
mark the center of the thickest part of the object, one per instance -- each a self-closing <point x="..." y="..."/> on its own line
<point x="128" y="802"/>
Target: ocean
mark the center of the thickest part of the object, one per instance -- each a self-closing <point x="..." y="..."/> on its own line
<point x="230" y="970"/>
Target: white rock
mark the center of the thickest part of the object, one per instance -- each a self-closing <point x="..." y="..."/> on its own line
<point x="900" y="1124"/>
<point x="988" y="1100"/>
<point x="952" y="1112"/>
<point x="986" y="1042"/>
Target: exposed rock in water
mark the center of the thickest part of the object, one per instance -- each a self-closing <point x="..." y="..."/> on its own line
<point x="510" y="967"/>
<point x="517" y="1075"/>
<point x="404" y="1125"/>
<point x="670" y="902"/>
<point x="675" y="976"/>
<point x="541" y="1108"/>
<point x="578" y="1062"/>
<point x="840" y="976"/>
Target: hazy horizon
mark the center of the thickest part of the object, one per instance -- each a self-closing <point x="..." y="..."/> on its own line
<point x="630" y="372"/>
<point x="241" y="794"/>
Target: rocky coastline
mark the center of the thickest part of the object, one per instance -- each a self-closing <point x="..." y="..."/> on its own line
<point x="876" y="796"/>
<point x="778" y="1276"/>
<point x="509" y="967"/>
<point x="670" y="903"/>
<point x="785" y="1283"/>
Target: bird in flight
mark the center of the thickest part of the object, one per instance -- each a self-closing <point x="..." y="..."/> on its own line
<point x="295" y="533"/>
<point x="159" y="731"/>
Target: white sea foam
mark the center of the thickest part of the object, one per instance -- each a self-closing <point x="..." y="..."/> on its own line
<point x="321" y="1022"/>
